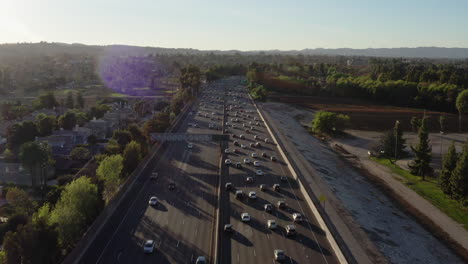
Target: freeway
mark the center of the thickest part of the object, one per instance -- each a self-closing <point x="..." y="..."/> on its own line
<point x="253" y="241"/>
<point x="182" y="223"/>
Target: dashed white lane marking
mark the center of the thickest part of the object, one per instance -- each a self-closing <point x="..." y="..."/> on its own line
<point x="237" y="257"/>
<point x="178" y="241"/>
<point x="255" y="253"/>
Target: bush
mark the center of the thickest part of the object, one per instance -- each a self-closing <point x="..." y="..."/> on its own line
<point x="329" y="123"/>
<point x="64" y="179"/>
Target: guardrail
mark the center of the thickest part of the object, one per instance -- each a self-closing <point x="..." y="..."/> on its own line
<point x="121" y="198"/>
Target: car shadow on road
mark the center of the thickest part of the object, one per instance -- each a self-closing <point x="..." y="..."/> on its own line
<point x="160" y="207"/>
<point x="237" y="236"/>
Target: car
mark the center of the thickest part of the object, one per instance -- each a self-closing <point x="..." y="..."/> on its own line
<point x="247" y="161"/>
<point x="255" y="137"/>
<point x="266" y="140"/>
<point x="148" y="246"/>
<point x="227" y="162"/>
<point x="249" y="179"/>
<point x="276" y="187"/>
<point x="254" y="155"/>
<point x="227" y="151"/>
<point x="284" y="178"/>
<point x="233" y="126"/>
<point x="195" y="125"/>
<point x="154" y="176"/>
<point x="290" y="230"/>
<point x="247" y="131"/>
<point x="228" y="124"/>
<point x="279" y="254"/>
<point x="264" y="155"/>
<point x="239" y="194"/>
<point x="259" y="172"/>
<point x="250" y="122"/>
<point x="257" y="144"/>
<point x="297" y="217"/>
<point x="236" y="150"/>
<point x="243" y="146"/>
<point x="252" y="195"/>
<point x="153" y="201"/>
<point x="281" y="204"/>
<point x="210" y="126"/>
<point x="171" y="186"/>
<point x="213" y="113"/>
<point x="256" y="163"/>
<point x="245" y="217"/>
<point x="255" y="119"/>
<point x="228" y="186"/>
<point x="189" y="145"/>
<point x="252" y="145"/>
<point x="262" y="187"/>
<point x="268" y="207"/>
<point x="201" y="260"/>
<point x="241" y="136"/>
<point x="228" y="228"/>
<point x="236" y="143"/>
<point x="273" y="158"/>
<point x="272" y="224"/>
<point x="244" y="125"/>
<point x="238" y="165"/>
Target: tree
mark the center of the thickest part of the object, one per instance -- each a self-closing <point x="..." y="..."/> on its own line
<point x="459" y="179"/>
<point x="158" y="124"/>
<point x="47" y="100"/>
<point x="69" y="103"/>
<point x="112" y="147"/>
<point x="68" y="120"/>
<point x="462" y="106"/>
<point x="415" y="123"/>
<point x="79" y="100"/>
<point x="160" y="105"/>
<point x="442" y="123"/>
<point x="328" y="122"/>
<point x="448" y="165"/>
<point x="77" y="207"/>
<point x="46" y="124"/>
<point x="131" y="157"/>
<point x="123" y="137"/>
<point x="81" y="118"/>
<point x="139" y="137"/>
<point x="190" y="78"/>
<point x="421" y="165"/>
<point x="20" y="201"/>
<point x="34" y="156"/>
<point x="20" y="133"/>
<point x="32" y="243"/>
<point x="110" y="171"/>
<point x="12" y="224"/>
<point x="80" y="153"/>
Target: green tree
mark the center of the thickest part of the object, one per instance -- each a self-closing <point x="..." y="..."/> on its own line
<point x="46" y="124"/>
<point x="158" y="124"/>
<point x="20" y="133"/>
<point x="131" y="157"/>
<point x="69" y="103"/>
<point x="110" y="172"/>
<point x="462" y="106"/>
<point x="442" y="123"/>
<point x="421" y="165"/>
<point x="47" y="100"/>
<point x="33" y="243"/>
<point x="80" y="153"/>
<point x="79" y="100"/>
<point x="81" y="118"/>
<point x="190" y="78"/>
<point x="34" y="156"/>
<point x="77" y="207"/>
<point x="415" y="123"/>
<point x="328" y="122"/>
<point x="20" y="201"/>
<point x="123" y="137"/>
<point x="112" y="147"/>
<point x="68" y="120"/>
<point x="459" y="179"/>
<point x="448" y="165"/>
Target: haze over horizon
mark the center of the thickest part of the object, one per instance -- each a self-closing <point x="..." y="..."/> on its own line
<point x="243" y="25"/>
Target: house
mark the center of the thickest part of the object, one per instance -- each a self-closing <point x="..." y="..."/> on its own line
<point x="62" y="142"/>
<point x="17" y="174"/>
<point x="98" y="128"/>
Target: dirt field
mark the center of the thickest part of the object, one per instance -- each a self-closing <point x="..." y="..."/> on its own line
<point x="375" y="117"/>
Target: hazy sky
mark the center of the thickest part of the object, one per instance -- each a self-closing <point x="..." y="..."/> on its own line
<point x="238" y="24"/>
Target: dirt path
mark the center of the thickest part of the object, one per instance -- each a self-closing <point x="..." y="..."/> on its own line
<point x="395" y="233"/>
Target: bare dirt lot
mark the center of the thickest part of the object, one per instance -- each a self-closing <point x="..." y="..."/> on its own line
<point x="375" y="117"/>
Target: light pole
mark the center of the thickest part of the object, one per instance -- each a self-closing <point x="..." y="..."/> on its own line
<point x="441" y="158"/>
<point x="397" y="124"/>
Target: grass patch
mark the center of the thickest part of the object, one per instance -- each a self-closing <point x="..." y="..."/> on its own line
<point x="117" y="95"/>
<point x="431" y="192"/>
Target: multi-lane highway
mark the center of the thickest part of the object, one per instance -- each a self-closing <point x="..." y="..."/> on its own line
<point x="183" y="224"/>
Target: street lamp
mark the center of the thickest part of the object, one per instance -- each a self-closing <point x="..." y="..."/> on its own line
<point x="397" y="124"/>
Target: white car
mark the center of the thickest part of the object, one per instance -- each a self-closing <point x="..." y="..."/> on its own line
<point x="245" y="217"/>
<point x="256" y="163"/>
<point x="252" y="195"/>
<point x="211" y="126"/>
<point x="247" y="161"/>
<point x="148" y="246"/>
<point x="255" y="137"/>
<point x="259" y="172"/>
<point x="227" y="161"/>
<point x="189" y="145"/>
<point x="227" y="151"/>
<point x="201" y="260"/>
<point x="241" y="136"/>
<point x="297" y="217"/>
<point x="267" y="140"/>
<point x="254" y="155"/>
<point x="243" y="146"/>
<point x="272" y="224"/>
<point x="153" y="201"/>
